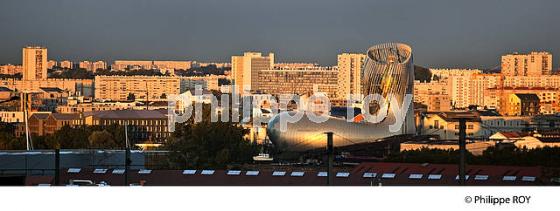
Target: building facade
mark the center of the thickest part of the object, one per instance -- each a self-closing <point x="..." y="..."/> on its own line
<point x="66" y="64"/>
<point x="148" y="65"/>
<point x="10" y="69"/>
<point x="532" y="64"/>
<point x="145" y="88"/>
<point x="350" y="74"/>
<point x="521" y="105"/>
<point x="34" y="63"/>
<point x="245" y="71"/>
<point x="300" y="81"/>
<point x="93" y="66"/>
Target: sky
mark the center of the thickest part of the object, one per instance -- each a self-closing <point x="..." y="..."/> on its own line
<point x="442" y="33"/>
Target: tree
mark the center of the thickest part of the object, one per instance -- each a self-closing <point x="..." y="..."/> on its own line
<point x="69" y="138"/>
<point x="209" y="144"/>
<point x="422" y="74"/>
<point x="131" y="97"/>
<point x="7" y="139"/>
<point x="101" y="140"/>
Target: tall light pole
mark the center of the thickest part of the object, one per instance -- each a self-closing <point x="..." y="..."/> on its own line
<point x="330" y="152"/>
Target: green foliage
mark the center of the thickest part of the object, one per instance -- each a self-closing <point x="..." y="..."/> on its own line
<point x="209" y="144"/>
<point x="72" y="73"/>
<point x="202" y="71"/>
<point x="422" y="74"/>
<point x="68" y="138"/>
<point x="101" y="140"/>
<point x="7" y="139"/>
<point x="96" y="137"/>
<point x="131" y="97"/>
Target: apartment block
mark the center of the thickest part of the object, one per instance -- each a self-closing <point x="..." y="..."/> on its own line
<point x="145" y="88"/>
<point x="350" y="74"/>
<point x="245" y="71"/>
<point x="532" y="64"/>
<point x="299" y="81"/>
<point x="34" y="63"/>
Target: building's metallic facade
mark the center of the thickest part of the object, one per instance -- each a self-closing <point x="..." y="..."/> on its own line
<point x="388" y="71"/>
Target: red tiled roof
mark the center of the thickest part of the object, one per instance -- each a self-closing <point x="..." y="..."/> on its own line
<point x="495" y="176"/>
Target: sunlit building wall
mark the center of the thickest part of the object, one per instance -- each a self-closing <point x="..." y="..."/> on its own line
<point x="532" y="64"/>
<point x="245" y="70"/>
<point x="34" y="63"/>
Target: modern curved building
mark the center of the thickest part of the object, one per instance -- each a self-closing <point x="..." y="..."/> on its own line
<point x="388" y="71"/>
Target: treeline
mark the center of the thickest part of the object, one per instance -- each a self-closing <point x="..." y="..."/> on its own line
<point x="71" y="74"/>
<point x="209" y="144"/>
<point x="202" y="71"/>
<point x="85" y="137"/>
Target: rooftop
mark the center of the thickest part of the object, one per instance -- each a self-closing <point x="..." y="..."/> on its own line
<point x="52" y="89"/>
<point x="364" y="174"/>
<point x="129" y="114"/>
<point x="5" y="89"/>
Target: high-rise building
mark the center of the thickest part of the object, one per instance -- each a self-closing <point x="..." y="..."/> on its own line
<point x="350" y="74"/>
<point x="34" y="63"/>
<point x="67" y="64"/>
<point x="245" y="70"/>
<point x="300" y="81"/>
<point x="532" y="64"/>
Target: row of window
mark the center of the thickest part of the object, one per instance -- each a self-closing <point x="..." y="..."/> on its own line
<point x="413" y="176"/>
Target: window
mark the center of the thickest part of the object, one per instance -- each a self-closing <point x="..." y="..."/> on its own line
<point x="415" y="176"/>
<point x="74" y="170"/>
<point x="233" y="172"/>
<point x="252" y="173"/>
<point x="481" y="177"/>
<point x="528" y="179"/>
<point x="145" y="171"/>
<point x="322" y="174"/>
<point x="342" y="174"/>
<point x="278" y="173"/>
<point x="100" y="171"/>
<point x="118" y="171"/>
<point x="207" y="172"/>
<point x="297" y="174"/>
<point x="369" y="175"/>
<point x="434" y="176"/>
<point x="470" y="127"/>
<point x="509" y="178"/>
<point x="388" y="176"/>
<point x="189" y="172"/>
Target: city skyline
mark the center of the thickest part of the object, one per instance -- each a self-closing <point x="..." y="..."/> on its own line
<point x="438" y="31"/>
